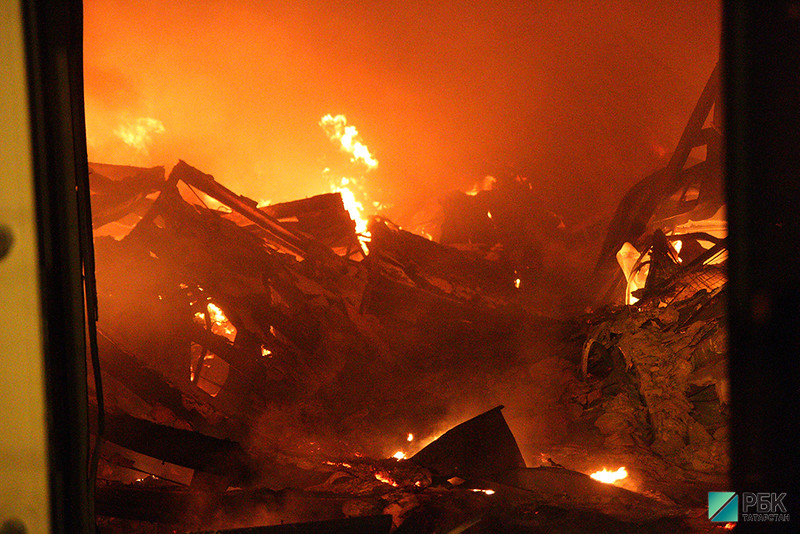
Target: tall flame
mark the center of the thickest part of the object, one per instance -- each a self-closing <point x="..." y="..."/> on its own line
<point x="337" y="130"/>
<point x="352" y="205"/>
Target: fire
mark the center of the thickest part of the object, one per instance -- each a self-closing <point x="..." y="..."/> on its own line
<point x="352" y="205"/>
<point x="410" y="437"/>
<point x="337" y="130"/>
<point x="517" y="282"/>
<point x="609" y="477"/>
<point x="220" y="324"/>
<point x="484" y="491"/>
<point x="338" y="464"/>
<point x="487" y="184"/>
<point x="138" y="134"/>
<point x="399" y="455"/>
<point x="385" y="479"/>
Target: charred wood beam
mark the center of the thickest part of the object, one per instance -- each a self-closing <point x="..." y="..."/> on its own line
<point x="178" y="506"/>
<point x="692" y="133"/>
<point x="377" y="524"/>
<point x="149" y="385"/>
<point x="205" y="182"/>
<point x="181" y="447"/>
<point x="638" y="205"/>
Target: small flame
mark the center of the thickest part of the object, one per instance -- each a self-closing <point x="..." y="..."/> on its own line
<point x="410" y="437"/>
<point x="609" y="477"/>
<point x="730" y="526"/>
<point x="676" y="246"/>
<point x="484" y="491"/>
<point x="337" y="464"/>
<point x="399" y="455"/>
<point x="487" y="184"/>
<point x="221" y="325"/>
<point x="385" y="479"/>
<point x="517" y="282"/>
<point x="265" y="352"/>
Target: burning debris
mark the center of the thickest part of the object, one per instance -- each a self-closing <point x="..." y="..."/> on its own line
<point x="262" y="366"/>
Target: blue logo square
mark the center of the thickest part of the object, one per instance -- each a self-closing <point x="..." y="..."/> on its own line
<point x="723" y="506"/>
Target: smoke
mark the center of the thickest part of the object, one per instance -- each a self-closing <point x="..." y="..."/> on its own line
<point x="138" y="133"/>
<point x="582" y="97"/>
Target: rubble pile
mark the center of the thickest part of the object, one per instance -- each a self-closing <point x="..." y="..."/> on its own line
<point x="657" y="375"/>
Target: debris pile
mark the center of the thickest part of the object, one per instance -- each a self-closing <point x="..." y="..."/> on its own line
<point x="657" y="377"/>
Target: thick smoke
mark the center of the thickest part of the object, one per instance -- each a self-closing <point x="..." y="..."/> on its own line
<point x="583" y="98"/>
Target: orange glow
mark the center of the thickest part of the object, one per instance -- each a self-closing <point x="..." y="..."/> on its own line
<point x="487" y="184"/>
<point x="399" y="455"/>
<point x="138" y="133"/>
<point x="410" y="437"/>
<point x="729" y="526"/>
<point x="337" y="464"/>
<point x="352" y="205"/>
<point x="383" y="477"/>
<point x="220" y="325"/>
<point x="609" y="477"/>
<point x="484" y="491"/>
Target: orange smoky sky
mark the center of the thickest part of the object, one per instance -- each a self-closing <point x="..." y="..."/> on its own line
<point x="582" y="97"/>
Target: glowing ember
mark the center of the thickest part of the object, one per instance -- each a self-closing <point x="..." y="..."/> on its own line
<point x="484" y="491"/>
<point x="676" y="246"/>
<point x="730" y="526"/>
<point x="410" y="437"/>
<point x="337" y="464"/>
<point x="265" y="352"/>
<point x="385" y="479"/>
<point x="337" y="130"/>
<point x="220" y="324"/>
<point x="609" y="477"/>
<point x="487" y="184"/>
<point x="399" y="455"/>
<point x="516" y="283"/>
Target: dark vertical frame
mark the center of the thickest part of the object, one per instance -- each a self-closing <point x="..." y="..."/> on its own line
<point x="761" y="77"/>
<point x="54" y="44"/>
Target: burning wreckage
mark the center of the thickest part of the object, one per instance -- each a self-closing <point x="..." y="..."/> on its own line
<point x="257" y="360"/>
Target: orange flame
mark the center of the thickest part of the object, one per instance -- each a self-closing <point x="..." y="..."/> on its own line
<point x="609" y="477"/>
<point x="385" y="479"/>
<point x="138" y="134"/>
<point x="337" y="130"/>
<point x="486" y="184"/>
